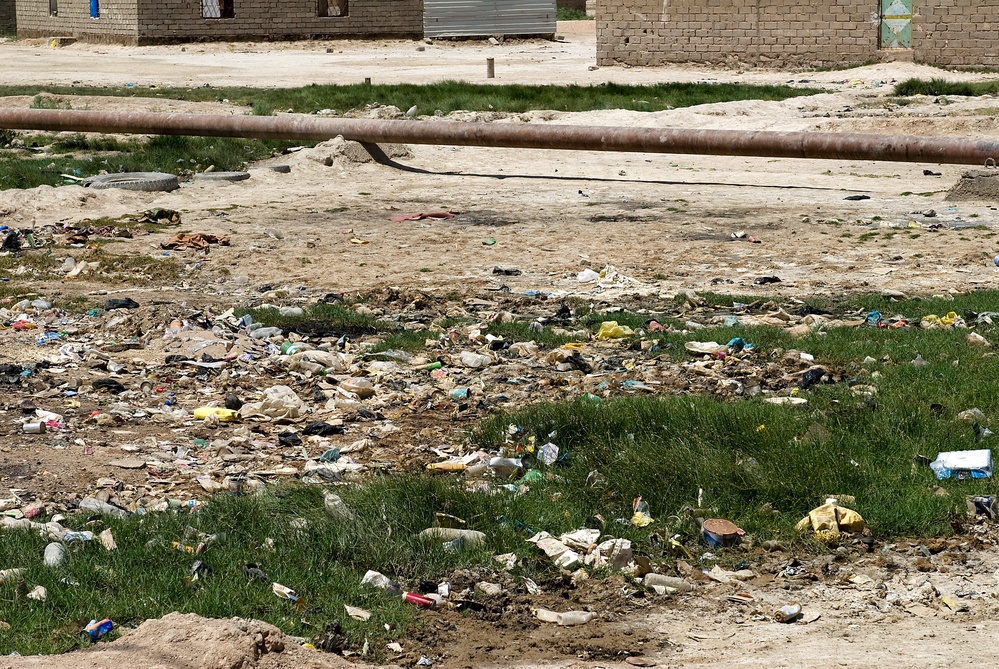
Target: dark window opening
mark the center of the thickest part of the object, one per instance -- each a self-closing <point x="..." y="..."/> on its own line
<point x="218" y="9"/>
<point x="331" y="8"/>
<point x="53" y="7"/>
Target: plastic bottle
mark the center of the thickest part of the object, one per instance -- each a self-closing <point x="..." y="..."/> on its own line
<point x="505" y="467"/>
<point x="788" y="614"/>
<point x="303" y="365"/>
<point x="380" y="580"/>
<point x="671" y="582"/>
<point x="474" y="360"/>
<point x="265" y="333"/>
<point x="96" y="629"/>
<point x="291" y="348"/>
<point x="54" y="554"/>
<point x="95" y="505"/>
<point x="565" y="619"/>
<point x="468" y="537"/>
<point x="336" y="506"/>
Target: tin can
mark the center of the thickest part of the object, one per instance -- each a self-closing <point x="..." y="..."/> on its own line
<point x="37" y="427"/>
<point x="418" y="600"/>
<point x="97" y="629"/>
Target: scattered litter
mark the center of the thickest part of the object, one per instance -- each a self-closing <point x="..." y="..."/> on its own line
<point x="356" y="613"/>
<point x="830" y="519"/>
<point x="567" y="618"/>
<point x="196" y="241"/>
<point x="788" y="613"/>
<point x="963" y="464"/>
<point x="441" y="215"/>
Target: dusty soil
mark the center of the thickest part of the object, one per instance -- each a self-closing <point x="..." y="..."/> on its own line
<point x="187" y="641"/>
<point x="664" y="222"/>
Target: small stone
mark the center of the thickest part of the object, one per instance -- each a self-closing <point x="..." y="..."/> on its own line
<point x="128" y="463"/>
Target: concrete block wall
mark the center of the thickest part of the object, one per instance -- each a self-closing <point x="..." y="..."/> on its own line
<point x="181" y="20"/>
<point x="118" y="21"/>
<point x="775" y="33"/>
<point x="7" y="17"/>
<point x="956" y="33"/>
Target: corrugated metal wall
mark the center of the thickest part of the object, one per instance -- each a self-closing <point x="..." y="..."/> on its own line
<point x="471" y="18"/>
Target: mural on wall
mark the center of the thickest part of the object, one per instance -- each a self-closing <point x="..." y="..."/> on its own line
<point x="896" y="24"/>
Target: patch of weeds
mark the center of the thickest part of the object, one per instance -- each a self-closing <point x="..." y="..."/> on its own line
<point x="519" y="331"/>
<point x="30" y="264"/>
<point x="49" y="102"/>
<point x="261" y="109"/>
<point x="450" y="96"/>
<point x="89" y="156"/>
<point x="411" y="341"/>
<point x="935" y="87"/>
<point x="320" y="320"/>
<point x="569" y="14"/>
<point x="134" y="269"/>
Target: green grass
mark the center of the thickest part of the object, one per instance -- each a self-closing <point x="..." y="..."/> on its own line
<point x="127" y="269"/>
<point x="338" y="317"/>
<point x="323" y="563"/>
<point x="944" y="87"/>
<point x="81" y="155"/>
<point x="262" y="109"/>
<point x="49" y="102"/>
<point x="448" y="96"/>
<point x="568" y="14"/>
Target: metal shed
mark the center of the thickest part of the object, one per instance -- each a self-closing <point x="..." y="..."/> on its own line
<point x="474" y="18"/>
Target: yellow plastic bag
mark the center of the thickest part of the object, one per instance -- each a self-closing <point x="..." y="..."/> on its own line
<point x="611" y="330"/>
<point x="832" y="518"/>
<point x="224" y="415"/>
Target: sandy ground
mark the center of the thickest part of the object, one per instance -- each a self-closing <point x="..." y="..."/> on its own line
<point x="663" y="221"/>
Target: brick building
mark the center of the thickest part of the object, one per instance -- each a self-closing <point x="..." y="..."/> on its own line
<point x="787" y="33"/>
<point x="161" y="21"/>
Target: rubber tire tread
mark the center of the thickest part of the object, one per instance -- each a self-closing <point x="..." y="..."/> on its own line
<point x="140" y="181"/>
<point x="221" y="176"/>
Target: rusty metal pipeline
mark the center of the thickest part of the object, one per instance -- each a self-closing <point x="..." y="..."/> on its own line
<point x="829" y="146"/>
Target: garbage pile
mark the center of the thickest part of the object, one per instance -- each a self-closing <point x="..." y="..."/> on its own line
<point x="176" y="403"/>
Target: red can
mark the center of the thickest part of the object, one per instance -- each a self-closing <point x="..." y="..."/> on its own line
<point x="418" y="600"/>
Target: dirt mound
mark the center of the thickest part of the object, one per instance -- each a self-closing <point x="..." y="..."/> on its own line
<point x="340" y="150"/>
<point x="188" y="641"/>
<point x="976" y="185"/>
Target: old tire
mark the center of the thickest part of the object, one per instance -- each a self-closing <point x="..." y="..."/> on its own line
<point x="222" y="176"/>
<point x="143" y="181"/>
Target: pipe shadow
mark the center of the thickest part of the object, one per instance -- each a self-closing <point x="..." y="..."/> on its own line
<point x="382" y="158"/>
